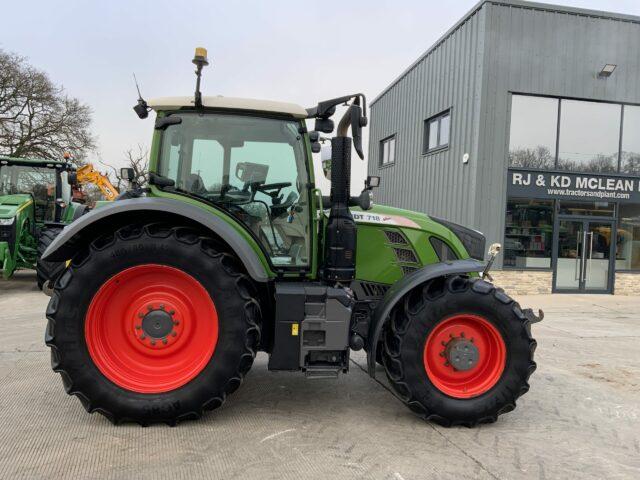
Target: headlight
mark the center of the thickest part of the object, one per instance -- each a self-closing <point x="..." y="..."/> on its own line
<point x="472" y="240"/>
<point x="7" y="221"/>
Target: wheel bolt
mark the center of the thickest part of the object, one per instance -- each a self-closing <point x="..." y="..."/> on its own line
<point x="153" y="342"/>
<point x="138" y="327"/>
<point x="161" y="306"/>
<point x="164" y="340"/>
<point x="143" y="336"/>
<point x="172" y="312"/>
<point x="462" y="334"/>
<point x="173" y="334"/>
<point x="140" y="315"/>
<point x="149" y="307"/>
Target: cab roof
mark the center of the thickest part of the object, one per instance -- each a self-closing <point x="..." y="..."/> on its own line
<point x="37" y="162"/>
<point x="230" y="103"/>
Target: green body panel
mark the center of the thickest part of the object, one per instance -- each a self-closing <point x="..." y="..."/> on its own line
<point x="19" y="251"/>
<point x="375" y="257"/>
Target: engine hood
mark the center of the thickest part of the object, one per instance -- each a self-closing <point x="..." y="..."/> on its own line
<point x="398" y="217"/>
<point x="10" y="205"/>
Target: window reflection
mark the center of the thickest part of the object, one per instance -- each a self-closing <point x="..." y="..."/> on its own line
<point x="589" y="136"/>
<point x="528" y="233"/>
<point x="631" y="140"/>
<point x="628" y="237"/>
<point x="534" y="123"/>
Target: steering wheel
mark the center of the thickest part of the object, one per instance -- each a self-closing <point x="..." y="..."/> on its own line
<point x="272" y="189"/>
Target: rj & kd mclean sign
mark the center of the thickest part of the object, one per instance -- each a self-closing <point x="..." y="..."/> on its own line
<point x="573" y="186"/>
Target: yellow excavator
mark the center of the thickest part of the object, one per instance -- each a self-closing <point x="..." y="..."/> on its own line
<point x="87" y="174"/>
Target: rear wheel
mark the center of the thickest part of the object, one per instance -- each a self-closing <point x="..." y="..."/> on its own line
<point x="153" y="324"/>
<point x="47" y="272"/>
<point x="459" y="351"/>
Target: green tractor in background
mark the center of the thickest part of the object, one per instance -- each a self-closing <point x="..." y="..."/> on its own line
<point x="35" y="204"/>
<point x="232" y="250"/>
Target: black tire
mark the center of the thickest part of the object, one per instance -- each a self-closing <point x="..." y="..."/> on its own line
<point x="231" y="290"/>
<point x="47" y="271"/>
<point x="418" y="314"/>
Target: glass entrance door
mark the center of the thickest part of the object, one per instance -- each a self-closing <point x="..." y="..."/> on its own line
<point x="583" y="256"/>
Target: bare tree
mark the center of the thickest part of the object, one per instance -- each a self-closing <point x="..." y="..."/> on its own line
<point x="37" y="118"/>
<point x="139" y="161"/>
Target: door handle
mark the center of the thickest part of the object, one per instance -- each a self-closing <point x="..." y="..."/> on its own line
<point x="583" y="257"/>
<point x="578" y="258"/>
<point x="588" y="266"/>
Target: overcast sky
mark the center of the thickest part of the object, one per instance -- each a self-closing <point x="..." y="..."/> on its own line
<point x="296" y="51"/>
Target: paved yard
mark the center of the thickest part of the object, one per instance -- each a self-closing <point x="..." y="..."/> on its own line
<point x="581" y="418"/>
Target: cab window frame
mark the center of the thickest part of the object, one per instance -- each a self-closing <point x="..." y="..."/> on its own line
<point x="157" y="165"/>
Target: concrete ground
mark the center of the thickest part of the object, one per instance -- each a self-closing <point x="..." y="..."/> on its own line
<point x="581" y="418"/>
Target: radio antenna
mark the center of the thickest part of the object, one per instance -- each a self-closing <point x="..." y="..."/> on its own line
<point x="141" y="108"/>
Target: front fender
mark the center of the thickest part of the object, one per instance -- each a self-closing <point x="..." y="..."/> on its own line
<point x="404" y="286"/>
<point x="97" y="221"/>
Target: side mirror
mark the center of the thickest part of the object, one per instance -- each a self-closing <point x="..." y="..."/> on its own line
<point x="371" y="182"/>
<point x="127" y="174"/>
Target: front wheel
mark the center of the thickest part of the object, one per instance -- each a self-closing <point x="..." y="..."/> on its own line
<point x="459" y="351"/>
<point x="153" y="324"/>
<point x="48" y="272"/>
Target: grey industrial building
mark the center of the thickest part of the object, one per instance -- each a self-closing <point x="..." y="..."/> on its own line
<point x="523" y="122"/>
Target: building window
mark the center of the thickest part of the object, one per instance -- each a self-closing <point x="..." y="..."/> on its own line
<point x="534" y="128"/>
<point x="630" y="154"/>
<point x="436" y="132"/>
<point x="574" y="135"/>
<point x="388" y="151"/>
<point x="589" y="136"/>
<point x="587" y="209"/>
<point x="628" y="237"/>
<point x="528" y="233"/>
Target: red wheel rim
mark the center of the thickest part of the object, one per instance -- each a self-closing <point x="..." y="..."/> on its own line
<point x="489" y="354"/>
<point x="151" y="328"/>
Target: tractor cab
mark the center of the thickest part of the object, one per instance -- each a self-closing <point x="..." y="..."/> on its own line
<point x="246" y="157"/>
<point x="43" y="182"/>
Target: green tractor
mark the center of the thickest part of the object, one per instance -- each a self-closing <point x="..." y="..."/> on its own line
<point x="232" y="250"/>
<point x="35" y="204"/>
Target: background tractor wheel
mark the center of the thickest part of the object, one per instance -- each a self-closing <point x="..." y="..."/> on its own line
<point x="47" y="272"/>
<point x="458" y="351"/>
<point x="153" y="324"/>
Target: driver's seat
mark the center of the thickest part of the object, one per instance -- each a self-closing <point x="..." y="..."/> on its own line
<point x="194" y="184"/>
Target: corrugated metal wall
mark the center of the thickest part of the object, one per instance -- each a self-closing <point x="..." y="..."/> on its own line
<point x="502" y="47"/>
<point x="448" y="77"/>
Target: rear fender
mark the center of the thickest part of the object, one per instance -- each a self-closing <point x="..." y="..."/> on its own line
<point x="404" y="286"/>
<point x="86" y="228"/>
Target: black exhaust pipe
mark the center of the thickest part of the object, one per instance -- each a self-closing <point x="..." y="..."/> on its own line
<point x="341" y="239"/>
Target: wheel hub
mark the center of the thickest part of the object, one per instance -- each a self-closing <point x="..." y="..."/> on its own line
<point x="461" y="354"/>
<point x="157" y="324"/>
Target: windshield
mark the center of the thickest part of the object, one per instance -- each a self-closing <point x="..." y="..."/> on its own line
<point x="253" y="167"/>
<point x="40" y="182"/>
